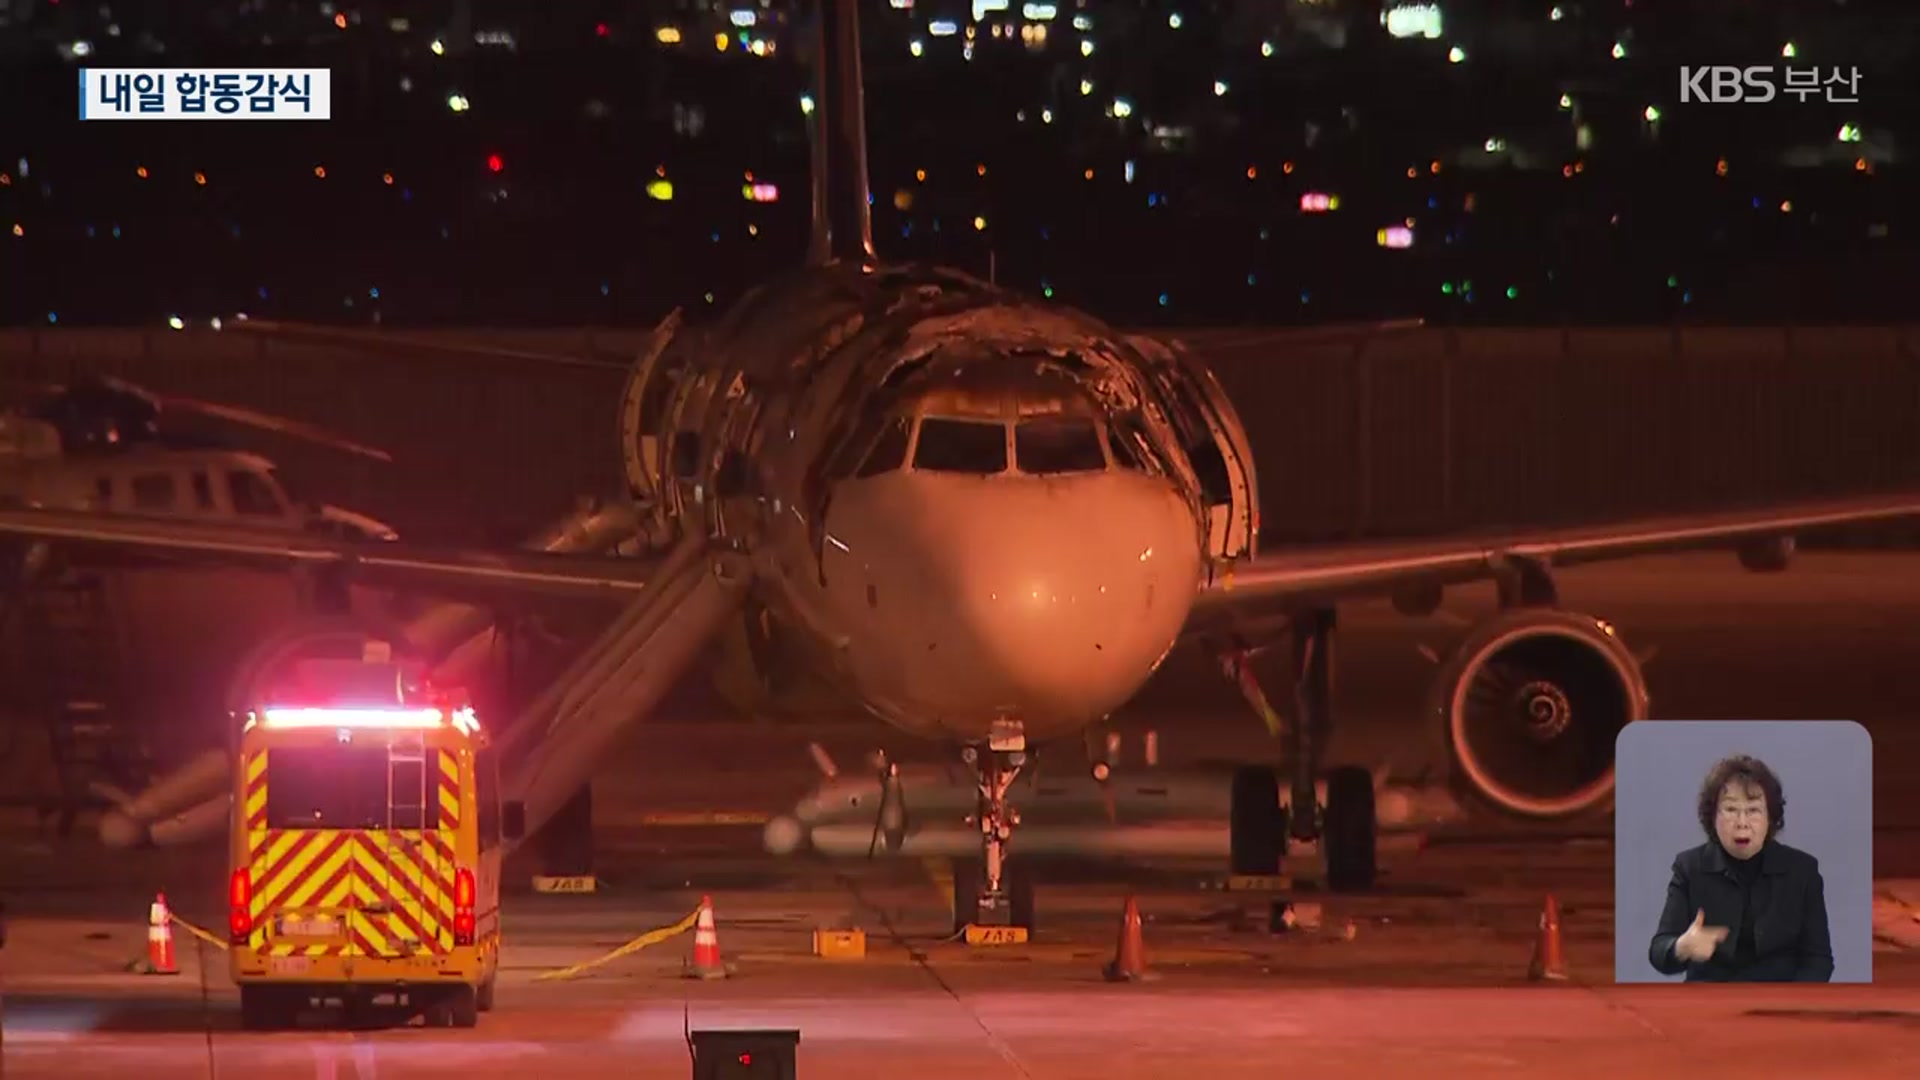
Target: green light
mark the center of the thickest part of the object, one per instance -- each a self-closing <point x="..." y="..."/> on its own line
<point x="1673" y="281"/>
<point x="1512" y="292"/>
<point x="1446" y="288"/>
<point x="1047" y="292"/>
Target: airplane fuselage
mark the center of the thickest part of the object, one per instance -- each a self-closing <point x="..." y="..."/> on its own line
<point x="972" y="512"/>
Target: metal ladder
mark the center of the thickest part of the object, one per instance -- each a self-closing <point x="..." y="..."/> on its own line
<point x="407" y="814"/>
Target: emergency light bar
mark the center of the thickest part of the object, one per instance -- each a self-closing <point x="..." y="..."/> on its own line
<point x="293" y="717"/>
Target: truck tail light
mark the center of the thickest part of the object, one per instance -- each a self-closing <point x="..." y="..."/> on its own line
<point x="463" y="893"/>
<point x="240" y="906"/>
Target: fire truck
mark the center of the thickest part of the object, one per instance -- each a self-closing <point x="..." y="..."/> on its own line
<point x="366" y="849"/>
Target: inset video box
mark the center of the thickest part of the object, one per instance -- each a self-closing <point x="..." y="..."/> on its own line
<point x="1743" y="852"/>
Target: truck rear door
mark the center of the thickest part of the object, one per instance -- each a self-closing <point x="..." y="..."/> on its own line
<point x="408" y="900"/>
<point x="306" y="809"/>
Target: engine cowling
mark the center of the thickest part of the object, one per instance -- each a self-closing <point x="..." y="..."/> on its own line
<point x="1531" y="703"/>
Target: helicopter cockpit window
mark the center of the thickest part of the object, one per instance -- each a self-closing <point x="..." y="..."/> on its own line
<point x="890" y="451"/>
<point x="153" y="491"/>
<point x="961" y="446"/>
<point x="1058" y="444"/>
<point x="252" y="495"/>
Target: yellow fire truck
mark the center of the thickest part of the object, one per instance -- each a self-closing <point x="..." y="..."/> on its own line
<point x="366" y="847"/>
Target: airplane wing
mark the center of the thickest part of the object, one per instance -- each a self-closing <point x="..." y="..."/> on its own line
<point x="1297" y="577"/>
<point x="475" y="575"/>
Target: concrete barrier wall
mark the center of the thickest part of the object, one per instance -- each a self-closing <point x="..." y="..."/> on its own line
<point x="1401" y="433"/>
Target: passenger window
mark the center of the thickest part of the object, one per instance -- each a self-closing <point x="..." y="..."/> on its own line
<point x="890" y="451"/>
<point x="153" y="491"/>
<point x="1058" y="444"/>
<point x="252" y="495"/>
<point x="487" y="793"/>
<point x="202" y="491"/>
<point x="961" y="446"/>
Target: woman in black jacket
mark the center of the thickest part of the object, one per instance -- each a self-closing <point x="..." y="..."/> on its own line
<point x="1744" y="907"/>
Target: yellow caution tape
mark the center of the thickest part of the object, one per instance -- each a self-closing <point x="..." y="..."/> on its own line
<point x="651" y="937"/>
<point x="197" y="932"/>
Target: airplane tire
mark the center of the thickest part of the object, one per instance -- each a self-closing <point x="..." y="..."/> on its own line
<point x="1349" y="830"/>
<point x="1015" y="879"/>
<point x="1256" y="830"/>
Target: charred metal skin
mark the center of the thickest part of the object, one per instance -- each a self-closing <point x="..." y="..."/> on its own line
<point x="770" y="449"/>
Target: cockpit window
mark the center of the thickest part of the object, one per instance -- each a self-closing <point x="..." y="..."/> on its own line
<point x="1058" y="444"/>
<point x="961" y="446"/>
<point x="890" y="450"/>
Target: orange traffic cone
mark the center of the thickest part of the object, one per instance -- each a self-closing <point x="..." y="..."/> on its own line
<point x="1549" y="960"/>
<point x="1130" y="954"/>
<point x="160" y="938"/>
<point x="706" y="945"/>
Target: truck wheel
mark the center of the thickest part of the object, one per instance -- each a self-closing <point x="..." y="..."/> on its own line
<point x="484" y="999"/>
<point x="460" y="1008"/>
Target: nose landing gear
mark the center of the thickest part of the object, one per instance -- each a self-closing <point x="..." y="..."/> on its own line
<point x="993" y="900"/>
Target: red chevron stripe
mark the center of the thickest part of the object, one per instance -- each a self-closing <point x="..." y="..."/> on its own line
<point x="397" y="866"/>
<point x="334" y="879"/>
<point x="265" y="879"/>
<point x="280" y="890"/>
<point x="395" y="910"/>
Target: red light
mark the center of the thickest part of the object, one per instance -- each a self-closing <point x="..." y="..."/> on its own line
<point x="746" y="1059"/>
<point x="239" y="906"/>
<point x="494" y="163"/>
<point x="599" y="29"/>
<point x="463" y="921"/>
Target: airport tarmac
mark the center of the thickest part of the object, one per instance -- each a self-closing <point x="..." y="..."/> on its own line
<point x="1432" y="980"/>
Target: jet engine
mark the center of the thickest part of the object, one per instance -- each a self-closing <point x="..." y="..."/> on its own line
<point x="1531" y="702"/>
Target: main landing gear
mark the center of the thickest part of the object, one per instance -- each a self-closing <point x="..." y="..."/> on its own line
<point x="1344" y="824"/>
<point x="993" y="899"/>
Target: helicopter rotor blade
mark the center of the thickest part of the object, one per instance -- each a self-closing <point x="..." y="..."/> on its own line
<point x="407" y="346"/>
<point x="298" y="429"/>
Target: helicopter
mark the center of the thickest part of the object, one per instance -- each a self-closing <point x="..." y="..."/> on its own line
<point x="99" y="446"/>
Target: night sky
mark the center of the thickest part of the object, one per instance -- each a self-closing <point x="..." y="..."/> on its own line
<point x="1278" y="162"/>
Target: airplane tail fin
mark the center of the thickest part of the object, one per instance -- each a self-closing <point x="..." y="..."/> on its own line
<point x="842" y="218"/>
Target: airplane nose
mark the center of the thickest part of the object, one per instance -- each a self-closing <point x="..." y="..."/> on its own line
<point x="1049" y="599"/>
